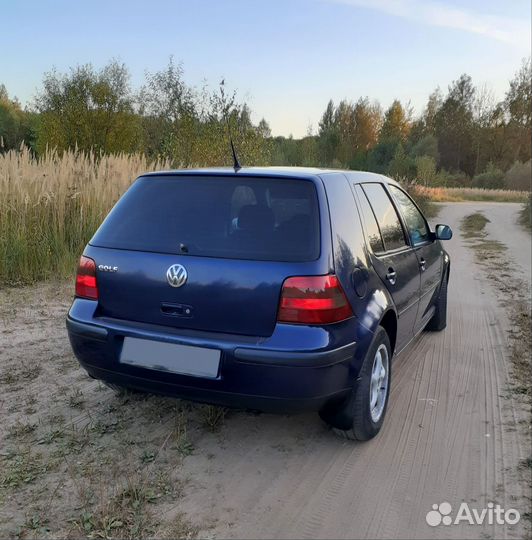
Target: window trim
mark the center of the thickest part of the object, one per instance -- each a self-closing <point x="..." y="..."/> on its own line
<point x="396" y="204"/>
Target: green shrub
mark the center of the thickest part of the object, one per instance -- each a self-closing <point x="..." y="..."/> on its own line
<point x="518" y="176"/>
<point x="426" y="146"/>
<point x="452" y="179"/>
<point x="426" y="170"/>
<point x="491" y="178"/>
<point x="401" y="165"/>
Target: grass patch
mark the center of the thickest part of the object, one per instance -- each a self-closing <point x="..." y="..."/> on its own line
<point x="26" y="372"/>
<point x="51" y="436"/>
<point x="36" y="523"/>
<point x="525" y="215"/>
<point x="76" y="399"/>
<point x="126" y="507"/>
<point x="212" y="417"/>
<point x="20" y="430"/>
<point x="147" y="456"/>
<point x="125" y="514"/>
<point x="473" y="225"/>
<point x="520" y="346"/>
<point x="21" y="468"/>
<point x="181" y="441"/>
<point x="491" y="245"/>
<point x="179" y="527"/>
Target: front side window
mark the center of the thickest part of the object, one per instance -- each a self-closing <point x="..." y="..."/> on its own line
<point x="415" y="222"/>
<point x="387" y="218"/>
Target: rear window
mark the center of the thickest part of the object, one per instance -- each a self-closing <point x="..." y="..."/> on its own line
<point x="239" y="218"/>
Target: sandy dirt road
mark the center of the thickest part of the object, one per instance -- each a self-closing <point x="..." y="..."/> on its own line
<point x="451" y="435"/>
<point x="502" y="228"/>
<point x="455" y="431"/>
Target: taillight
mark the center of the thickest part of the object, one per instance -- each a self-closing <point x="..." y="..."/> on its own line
<point x="313" y="300"/>
<point x="86" y="286"/>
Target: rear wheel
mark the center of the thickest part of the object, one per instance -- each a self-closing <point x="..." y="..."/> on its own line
<point x="361" y="418"/>
<point x="439" y="319"/>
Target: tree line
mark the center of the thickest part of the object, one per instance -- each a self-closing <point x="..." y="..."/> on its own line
<point x="463" y="137"/>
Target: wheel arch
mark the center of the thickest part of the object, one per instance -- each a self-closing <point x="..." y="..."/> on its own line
<point x="447" y="266"/>
<point x="389" y="323"/>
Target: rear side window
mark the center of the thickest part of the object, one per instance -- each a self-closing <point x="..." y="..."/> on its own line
<point x="387" y="218"/>
<point x="372" y="229"/>
<point x="239" y="218"/>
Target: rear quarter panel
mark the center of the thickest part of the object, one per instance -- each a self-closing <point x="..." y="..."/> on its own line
<point x="363" y="287"/>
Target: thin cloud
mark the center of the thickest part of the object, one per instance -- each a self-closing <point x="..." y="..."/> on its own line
<point x="509" y="30"/>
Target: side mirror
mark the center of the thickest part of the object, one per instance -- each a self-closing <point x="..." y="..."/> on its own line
<point x="443" y="232"/>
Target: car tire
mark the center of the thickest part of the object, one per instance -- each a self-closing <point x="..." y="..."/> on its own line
<point x="357" y="419"/>
<point x="438" y="321"/>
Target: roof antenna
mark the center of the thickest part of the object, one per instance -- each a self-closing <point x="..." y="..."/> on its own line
<point x="236" y="163"/>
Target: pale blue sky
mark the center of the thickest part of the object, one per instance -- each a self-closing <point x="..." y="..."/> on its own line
<point x="286" y="57"/>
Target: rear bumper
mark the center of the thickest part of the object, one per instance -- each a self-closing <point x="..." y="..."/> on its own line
<point x="265" y="403"/>
<point x="297" y="368"/>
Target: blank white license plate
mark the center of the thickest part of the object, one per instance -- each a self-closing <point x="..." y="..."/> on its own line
<point x="170" y="357"/>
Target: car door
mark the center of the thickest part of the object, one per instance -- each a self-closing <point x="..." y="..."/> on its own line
<point x="392" y="257"/>
<point x="428" y="251"/>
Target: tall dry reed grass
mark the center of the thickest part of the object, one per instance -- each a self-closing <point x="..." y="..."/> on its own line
<point x="50" y="207"/>
<point x="459" y="194"/>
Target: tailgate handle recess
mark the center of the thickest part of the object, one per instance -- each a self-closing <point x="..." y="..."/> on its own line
<point x="176" y="310"/>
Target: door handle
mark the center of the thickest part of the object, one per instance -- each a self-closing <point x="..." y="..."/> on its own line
<point x="391" y="276"/>
<point x="422" y="263"/>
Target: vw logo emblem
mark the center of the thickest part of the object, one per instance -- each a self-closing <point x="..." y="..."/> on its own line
<point x="176" y="275"/>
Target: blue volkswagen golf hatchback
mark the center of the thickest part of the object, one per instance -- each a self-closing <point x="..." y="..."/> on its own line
<point x="272" y="289"/>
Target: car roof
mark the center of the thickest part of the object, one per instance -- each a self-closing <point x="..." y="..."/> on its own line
<point x="286" y="172"/>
